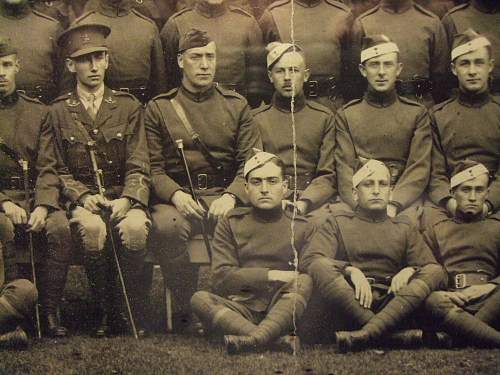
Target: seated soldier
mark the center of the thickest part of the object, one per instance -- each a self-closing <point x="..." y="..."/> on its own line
<point x="314" y="130"/>
<point x="259" y="293"/>
<point x="468" y="246"/>
<point x="110" y="121"/>
<point x="25" y="137"/>
<point x="375" y="269"/>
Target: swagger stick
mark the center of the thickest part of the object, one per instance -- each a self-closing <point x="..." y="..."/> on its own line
<point x="100" y="187"/>
<point x="24" y="166"/>
<point x="204" y="223"/>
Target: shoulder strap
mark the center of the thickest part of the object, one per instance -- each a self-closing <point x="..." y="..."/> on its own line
<point x="179" y="111"/>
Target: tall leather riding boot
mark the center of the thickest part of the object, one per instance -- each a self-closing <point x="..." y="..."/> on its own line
<point x="182" y="278"/>
<point x="132" y="266"/>
<point x="52" y="281"/>
<point x="97" y="269"/>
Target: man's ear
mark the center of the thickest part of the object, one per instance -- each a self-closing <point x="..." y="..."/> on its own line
<point x="180" y="60"/>
<point x="106" y="58"/>
<point x="491" y="65"/>
<point x="400" y="69"/>
<point x="307" y="75"/>
<point x="246" y="187"/>
<point x="362" y="70"/>
<point x="270" y="76"/>
<point x="17" y="65"/>
<point x="355" y="196"/>
<point x="453" y="69"/>
<point x="70" y="65"/>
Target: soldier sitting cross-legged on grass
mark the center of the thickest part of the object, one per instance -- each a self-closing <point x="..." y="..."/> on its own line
<point x="468" y="245"/>
<point x="259" y="293"/>
<point x="375" y="269"/>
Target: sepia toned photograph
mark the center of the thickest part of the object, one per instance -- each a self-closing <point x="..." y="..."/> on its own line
<point x="233" y="187"/>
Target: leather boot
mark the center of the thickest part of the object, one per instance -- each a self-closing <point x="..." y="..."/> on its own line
<point x="52" y="281"/>
<point x="97" y="273"/>
<point x="16" y="339"/>
<point x="287" y="344"/>
<point x="409" y="338"/>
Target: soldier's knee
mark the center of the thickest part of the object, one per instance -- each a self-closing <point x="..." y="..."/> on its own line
<point x="6" y="228"/>
<point x="170" y="231"/>
<point x="58" y="236"/>
<point x="439" y="304"/>
<point x="321" y="271"/>
<point x="22" y="295"/>
<point x="93" y="234"/>
<point x="434" y="276"/>
<point x="134" y="230"/>
<point x="201" y="299"/>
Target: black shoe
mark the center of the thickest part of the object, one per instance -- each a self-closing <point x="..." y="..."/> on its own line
<point x="102" y="329"/>
<point x="348" y="341"/>
<point x="16" y="339"/>
<point x="53" y="327"/>
<point x="239" y="344"/>
<point x="287" y="344"/>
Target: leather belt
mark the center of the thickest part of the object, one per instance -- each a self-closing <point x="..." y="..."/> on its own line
<point x="417" y="86"/>
<point x="466" y="279"/>
<point x="204" y="181"/>
<point x="379" y="280"/>
<point x="302" y="181"/>
<point x="315" y="88"/>
<point x="110" y="179"/>
<point x="13" y="183"/>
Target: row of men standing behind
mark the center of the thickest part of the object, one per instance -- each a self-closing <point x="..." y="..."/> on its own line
<point x="143" y="60"/>
<point x="222" y="136"/>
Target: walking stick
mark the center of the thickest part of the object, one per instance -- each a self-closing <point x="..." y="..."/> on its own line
<point x="100" y="187"/>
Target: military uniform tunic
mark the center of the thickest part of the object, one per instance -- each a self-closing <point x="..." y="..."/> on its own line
<point x="122" y="151"/>
<point x="420" y="37"/>
<point x="321" y="28"/>
<point x="482" y="18"/>
<point x="65" y="11"/>
<point x="246" y="247"/>
<point x="34" y="36"/>
<point x="224" y="123"/>
<point x="315" y="141"/>
<point x="391" y="129"/>
<point x="240" y="50"/>
<point x="136" y="61"/>
<point x="466" y="127"/>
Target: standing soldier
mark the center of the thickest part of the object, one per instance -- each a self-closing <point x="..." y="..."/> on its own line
<point x="387" y="127"/>
<point x="370" y="268"/>
<point x="468" y="245"/>
<point x="240" y="49"/>
<point x="314" y="129"/>
<point x="137" y="65"/>
<point x="111" y="121"/>
<point x="65" y="11"/>
<point x="37" y="51"/>
<point x="26" y="134"/>
<point x="260" y="294"/>
<point x="322" y="28"/>
<point x="421" y="39"/>
<point x="219" y="134"/>
<point x="454" y="137"/>
<point x="484" y="17"/>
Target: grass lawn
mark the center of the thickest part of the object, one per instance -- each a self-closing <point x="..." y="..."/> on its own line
<point x="81" y="354"/>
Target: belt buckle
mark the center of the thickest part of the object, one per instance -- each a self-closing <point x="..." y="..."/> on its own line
<point x="202" y="181"/>
<point x="460" y="281"/>
<point x="312" y="88"/>
<point x="124" y="89"/>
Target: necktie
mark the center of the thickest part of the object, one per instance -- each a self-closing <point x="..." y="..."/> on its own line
<point x="92" y="109"/>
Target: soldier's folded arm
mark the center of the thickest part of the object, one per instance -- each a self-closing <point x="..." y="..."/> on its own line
<point x="229" y="278"/>
<point x="323" y="186"/>
<point x="412" y="183"/>
<point x="163" y="186"/>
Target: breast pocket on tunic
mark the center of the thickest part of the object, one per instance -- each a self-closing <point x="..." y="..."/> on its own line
<point x="74" y="149"/>
<point x="116" y="138"/>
